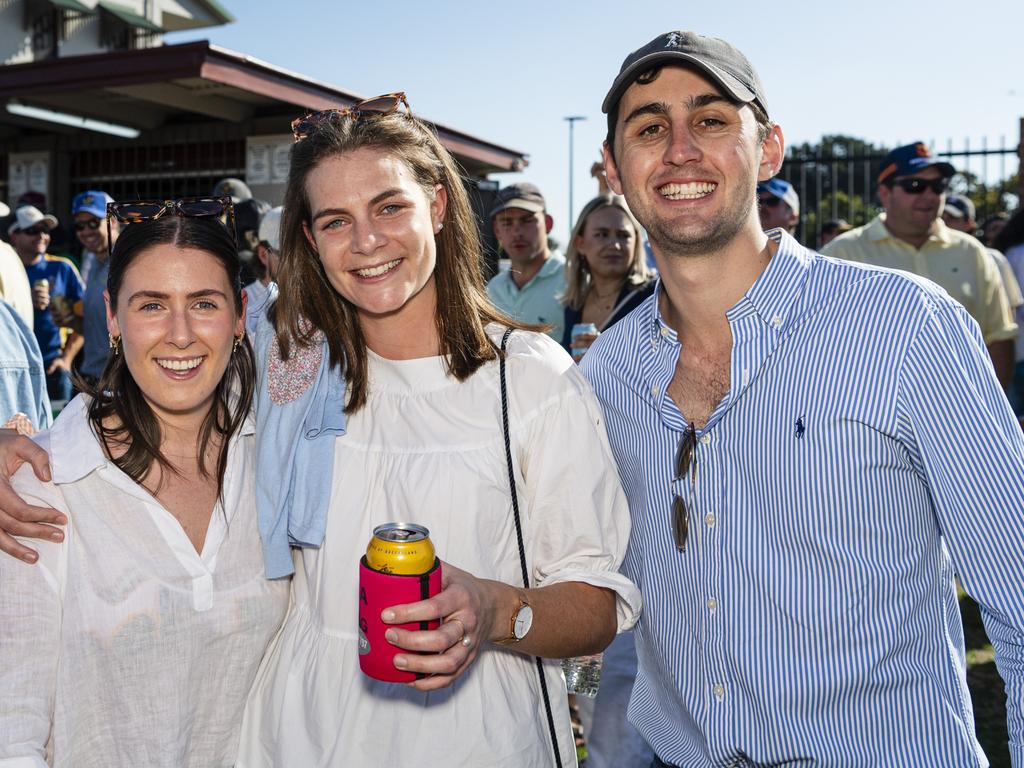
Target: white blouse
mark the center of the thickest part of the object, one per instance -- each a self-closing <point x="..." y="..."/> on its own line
<point x="124" y="646"/>
<point x="429" y="449"/>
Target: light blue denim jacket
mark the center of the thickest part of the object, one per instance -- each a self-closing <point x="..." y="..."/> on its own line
<point x="22" y="376"/>
<point x="299" y="411"/>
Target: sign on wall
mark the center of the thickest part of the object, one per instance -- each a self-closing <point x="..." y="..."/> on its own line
<point x="28" y="172"/>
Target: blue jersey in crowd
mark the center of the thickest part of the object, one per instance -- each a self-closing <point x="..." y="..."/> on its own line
<point x="64" y="281"/>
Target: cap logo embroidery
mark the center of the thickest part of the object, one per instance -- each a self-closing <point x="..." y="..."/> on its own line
<point x="674" y="40"/>
<point x="922" y="150"/>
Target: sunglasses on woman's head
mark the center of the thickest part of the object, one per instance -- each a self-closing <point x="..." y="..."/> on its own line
<point x="378" y="106"/>
<point x="189" y="207"/>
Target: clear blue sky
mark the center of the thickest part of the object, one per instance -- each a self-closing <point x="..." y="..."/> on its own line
<point x="886" y="71"/>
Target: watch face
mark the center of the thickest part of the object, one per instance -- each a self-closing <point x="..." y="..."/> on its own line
<point x="524" y="620"/>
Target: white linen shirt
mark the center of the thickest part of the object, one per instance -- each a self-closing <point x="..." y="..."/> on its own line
<point x="429" y="449"/>
<point x="123" y="645"/>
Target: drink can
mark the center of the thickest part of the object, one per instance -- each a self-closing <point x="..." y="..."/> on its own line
<point x="403" y="549"/>
<point x="578" y="330"/>
<point x="583" y="674"/>
<point x="399" y="567"/>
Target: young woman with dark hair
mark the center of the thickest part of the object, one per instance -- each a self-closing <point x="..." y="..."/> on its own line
<point x="138" y="636"/>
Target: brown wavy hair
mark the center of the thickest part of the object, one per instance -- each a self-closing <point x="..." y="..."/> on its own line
<point x="117" y="399"/>
<point x="307" y="302"/>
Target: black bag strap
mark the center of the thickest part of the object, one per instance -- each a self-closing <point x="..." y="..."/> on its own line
<point x="519" y="539"/>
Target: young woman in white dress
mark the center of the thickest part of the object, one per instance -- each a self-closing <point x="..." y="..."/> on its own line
<point x="380" y="252"/>
<point x="135" y="640"/>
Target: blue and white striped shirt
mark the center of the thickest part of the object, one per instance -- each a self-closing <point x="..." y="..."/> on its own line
<point x="863" y="454"/>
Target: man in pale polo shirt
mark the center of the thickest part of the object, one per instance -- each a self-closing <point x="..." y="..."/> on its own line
<point x="959" y="214"/>
<point x="911" y="236"/>
<point x="530" y="289"/>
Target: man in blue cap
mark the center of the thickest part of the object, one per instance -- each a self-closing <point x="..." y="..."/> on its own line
<point x="778" y="205"/>
<point x="89" y="210"/>
<point x="910" y="235"/>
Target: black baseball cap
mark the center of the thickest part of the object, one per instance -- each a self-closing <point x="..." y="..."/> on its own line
<point x="715" y="58"/>
<point x="522" y="195"/>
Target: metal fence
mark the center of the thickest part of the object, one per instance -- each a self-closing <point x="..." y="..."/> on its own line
<point x="837" y="180"/>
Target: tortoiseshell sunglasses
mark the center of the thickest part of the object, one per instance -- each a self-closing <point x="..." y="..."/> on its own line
<point x="378" y="106"/>
<point x="190" y="207"/>
<point x="685" y="464"/>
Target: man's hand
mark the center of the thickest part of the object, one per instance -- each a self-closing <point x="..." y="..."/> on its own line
<point x="57" y="363"/>
<point x="16" y="517"/>
<point x="41" y="295"/>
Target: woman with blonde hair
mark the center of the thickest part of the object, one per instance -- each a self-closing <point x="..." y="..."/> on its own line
<point x="606" y="271"/>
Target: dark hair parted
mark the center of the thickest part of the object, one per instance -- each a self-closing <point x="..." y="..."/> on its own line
<point x="118" y="411"/>
<point x="764" y="124"/>
<point x="308" y="302"/>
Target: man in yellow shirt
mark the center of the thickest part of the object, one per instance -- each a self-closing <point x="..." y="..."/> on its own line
<point x="911" y="236"/>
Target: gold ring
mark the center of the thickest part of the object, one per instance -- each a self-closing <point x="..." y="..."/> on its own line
<point x="462" y="639"/>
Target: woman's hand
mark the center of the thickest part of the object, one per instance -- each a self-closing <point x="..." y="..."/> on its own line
<point x="16" y="517"/>
<point x="466" y="605"/>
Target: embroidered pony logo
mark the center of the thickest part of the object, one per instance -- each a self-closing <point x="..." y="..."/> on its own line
<point x="799" y="431"/>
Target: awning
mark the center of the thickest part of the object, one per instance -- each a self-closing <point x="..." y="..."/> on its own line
<point x="72" y="5"/>
<point x="128" y="16"/>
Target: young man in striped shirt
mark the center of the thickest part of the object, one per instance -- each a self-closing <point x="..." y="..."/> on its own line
<point x="811" y="449"/>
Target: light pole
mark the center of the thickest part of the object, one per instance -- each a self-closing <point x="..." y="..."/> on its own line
<point x="572" y="122"/>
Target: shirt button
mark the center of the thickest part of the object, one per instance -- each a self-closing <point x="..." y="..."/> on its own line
<point x="664" y="332"/>
<point x="654" y="343"/>
<point x="709" y="519"/>
<point x="655" y="391"/>
<point x="776" y="321"/>
<point x="705" y="438"/>
<point x="719" y="691"/>
<point x="712" y="604"/>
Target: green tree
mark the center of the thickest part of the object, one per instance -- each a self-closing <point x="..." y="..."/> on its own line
<point x="836" y="179"/>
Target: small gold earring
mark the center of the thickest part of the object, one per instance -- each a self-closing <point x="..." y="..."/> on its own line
<point x="115" y="343"/>
<point x="238" y="342"/>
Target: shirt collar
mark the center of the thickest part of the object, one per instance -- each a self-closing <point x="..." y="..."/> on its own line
<point x="776" y="290"/>
<point x="75" y="450"/>
<point x="772" y="295"/>
<point x="552" y="264"/>
<point x="878" y="232"/>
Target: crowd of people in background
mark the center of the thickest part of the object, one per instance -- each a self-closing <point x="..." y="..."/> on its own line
<point x="62" y="289"/>
<point x="736" y="329"/>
